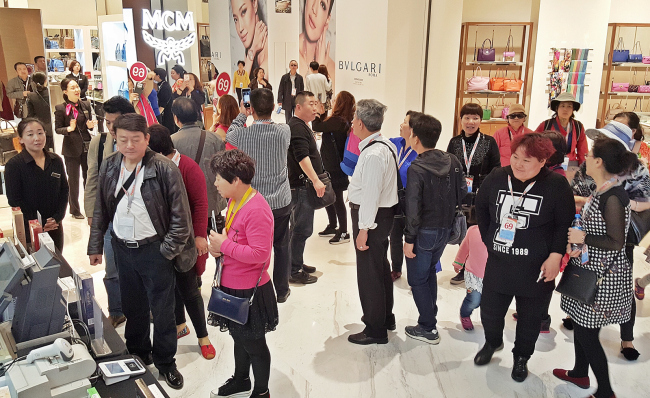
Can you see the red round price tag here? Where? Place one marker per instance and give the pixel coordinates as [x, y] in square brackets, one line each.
[138, 72]
[223, 84]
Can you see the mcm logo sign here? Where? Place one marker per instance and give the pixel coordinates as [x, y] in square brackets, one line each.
[169, 21]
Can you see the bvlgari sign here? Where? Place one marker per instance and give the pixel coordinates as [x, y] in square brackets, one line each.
[169, 21]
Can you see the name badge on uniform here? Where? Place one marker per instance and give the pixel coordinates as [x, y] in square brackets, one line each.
[241, 84]
[293, 92]
[470, 183]
[126, 227]
[508, 229]
[56, 175]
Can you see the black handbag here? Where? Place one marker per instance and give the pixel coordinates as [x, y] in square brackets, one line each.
[327, 199]
[458, 229]
[227, 305]
[639, 227]
[579, 283]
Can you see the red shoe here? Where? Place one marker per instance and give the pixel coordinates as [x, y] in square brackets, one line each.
[639, 291]
[563, 374]
[184, 332]
[466, 322]
[208, 351]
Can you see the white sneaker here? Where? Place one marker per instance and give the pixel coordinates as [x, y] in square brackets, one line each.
[340, 238]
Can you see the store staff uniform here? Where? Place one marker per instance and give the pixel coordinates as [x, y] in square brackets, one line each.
[151, 226]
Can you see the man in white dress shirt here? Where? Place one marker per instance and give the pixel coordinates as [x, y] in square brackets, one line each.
[373, 196]
[317, 83]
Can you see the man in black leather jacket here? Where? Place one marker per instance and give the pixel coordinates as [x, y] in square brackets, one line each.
[143, 194]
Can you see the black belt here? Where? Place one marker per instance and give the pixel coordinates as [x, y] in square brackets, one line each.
[354, 206]
[134, 244]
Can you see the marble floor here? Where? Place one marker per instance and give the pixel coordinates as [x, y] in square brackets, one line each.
[311, 356]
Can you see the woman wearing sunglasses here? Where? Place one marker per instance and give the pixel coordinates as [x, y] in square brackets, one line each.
[515, 128]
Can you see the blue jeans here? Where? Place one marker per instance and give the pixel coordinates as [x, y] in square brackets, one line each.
[301, 227]
[421, 273]
[471, 302]
[111, 279]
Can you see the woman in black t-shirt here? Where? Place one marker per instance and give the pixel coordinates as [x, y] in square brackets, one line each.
[540, 204]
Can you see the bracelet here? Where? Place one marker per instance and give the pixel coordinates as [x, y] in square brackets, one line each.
[461, 264]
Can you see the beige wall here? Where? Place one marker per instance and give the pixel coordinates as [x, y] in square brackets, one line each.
[497, 10]
[56, 13]
[22, 38]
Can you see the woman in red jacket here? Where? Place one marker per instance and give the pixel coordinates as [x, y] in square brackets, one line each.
[188, 294]
[564, 122]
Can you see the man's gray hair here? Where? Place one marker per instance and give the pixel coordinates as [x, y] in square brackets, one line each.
[371, 113]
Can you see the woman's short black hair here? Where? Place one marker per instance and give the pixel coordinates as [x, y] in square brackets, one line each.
[615, 156]
[26, 122]
[161, 73]
[233, 163]
[131, 122]
[241, 62]
[180, 70]
[633, 122]
[39, 78]
[471, 109]
[72, 65]
[65, 82]
[160, 139]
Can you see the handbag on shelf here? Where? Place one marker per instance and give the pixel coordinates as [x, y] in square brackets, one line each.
[478, 82]
[487, 113]
[633, 88]
[327, 199]
[620, 87]
[579, 283]
[123, 91]
[634, 56]
[118, 52]
[497, 108]
[8, 136]
[646, 59]
[509, 55]
[486, 54]
[94, 42]
[645, 88]
[123, 52]
[68, 42]
[205, 46]
[496, 83]
[513, 85]
[98, 63]
[614, 109]
[620, 53]
[226, 305]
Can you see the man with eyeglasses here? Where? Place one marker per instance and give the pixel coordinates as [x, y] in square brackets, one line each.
[290, 84]
[515, 128]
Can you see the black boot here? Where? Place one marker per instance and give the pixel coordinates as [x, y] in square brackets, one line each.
[484, 356]
[520, 369]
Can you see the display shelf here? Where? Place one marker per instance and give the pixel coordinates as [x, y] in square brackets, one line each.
[119, 64]
[625, 94]
[64, 50]
[472, 35]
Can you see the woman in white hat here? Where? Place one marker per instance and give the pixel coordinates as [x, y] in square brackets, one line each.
[564, 122]
[637, 187]
[515, 128]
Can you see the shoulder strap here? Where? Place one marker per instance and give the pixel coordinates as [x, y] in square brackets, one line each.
[100, 153]
[125, 187]
[399, 178]
[199, 151]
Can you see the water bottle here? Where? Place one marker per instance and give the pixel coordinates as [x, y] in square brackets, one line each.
[577, 224]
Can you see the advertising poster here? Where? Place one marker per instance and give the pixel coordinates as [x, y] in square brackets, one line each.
[249, 35]
[317, 39]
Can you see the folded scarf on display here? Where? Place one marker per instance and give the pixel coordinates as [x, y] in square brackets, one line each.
[580, 54]
[578, 66]
[576, 77]
[578, 91]
[566, 61]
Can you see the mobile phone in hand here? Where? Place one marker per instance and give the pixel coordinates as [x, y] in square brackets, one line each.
[246, 95]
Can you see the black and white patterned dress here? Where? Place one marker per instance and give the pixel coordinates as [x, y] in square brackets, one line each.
[614, 295]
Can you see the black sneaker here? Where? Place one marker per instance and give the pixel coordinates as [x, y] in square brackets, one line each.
[340, 238]
[302, 278]
[233, 388]
[459, 278]
[212, 319]
[327, 232]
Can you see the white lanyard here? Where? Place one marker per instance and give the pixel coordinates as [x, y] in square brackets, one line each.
[403, 159]
[468, 162]
[177, 158]
[521, 198]
[130, 196]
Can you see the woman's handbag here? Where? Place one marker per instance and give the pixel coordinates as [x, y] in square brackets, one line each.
[487, 113]
[327, 199]
[229, 306]
[496, 83]
[633, 88]
[123, 91]
[639, 227]
[497, 108]
[68, 42]
[620, 87]
[509, 55]
[205, 46]
[486, 54]
[350, 154]
[620, 53]
[458, 229]
[513, 85]
[579, 283]
[635, 57]
[646, 59]
[478, 82]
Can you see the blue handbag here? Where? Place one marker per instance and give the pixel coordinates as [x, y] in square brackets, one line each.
[638, 57]
[620, 53]
[229, 306]
[124, 52]
[123, 91]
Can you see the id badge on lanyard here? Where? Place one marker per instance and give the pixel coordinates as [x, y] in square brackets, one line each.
[468, 162]
[470, 182]
[126, 226]
[293, 92]
[508, 227]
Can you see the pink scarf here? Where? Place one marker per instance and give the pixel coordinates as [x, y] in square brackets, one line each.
[70, 107]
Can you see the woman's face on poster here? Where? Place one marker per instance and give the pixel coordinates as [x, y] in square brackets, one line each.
[317, 18]
[244, 14]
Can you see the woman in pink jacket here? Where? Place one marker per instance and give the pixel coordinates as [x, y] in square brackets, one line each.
[505, 135]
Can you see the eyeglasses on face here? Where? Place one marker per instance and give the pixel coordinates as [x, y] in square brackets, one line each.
[517, 116]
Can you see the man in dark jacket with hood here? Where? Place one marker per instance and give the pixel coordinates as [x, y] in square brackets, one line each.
[436, 187]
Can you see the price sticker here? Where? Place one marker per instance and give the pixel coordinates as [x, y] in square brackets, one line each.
[138, 72]
[223, 84]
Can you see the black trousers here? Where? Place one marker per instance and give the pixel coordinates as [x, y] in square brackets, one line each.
[188, 296]
[255, 353]
[239, 95]
[147, 283]
[337, 211]
[627, 328]
[281, 250]
[72, 165]
[288, 112]
[397, 244]
[589, 352]
[373, 274]
[530, 310]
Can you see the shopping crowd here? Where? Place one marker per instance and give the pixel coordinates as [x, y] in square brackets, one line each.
[162, 194]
